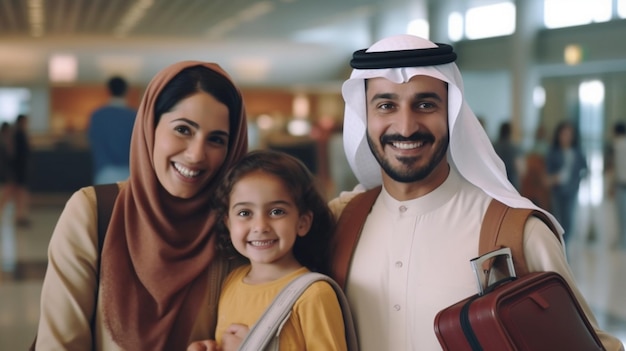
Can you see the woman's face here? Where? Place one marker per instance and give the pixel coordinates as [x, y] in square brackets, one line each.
[190, 144]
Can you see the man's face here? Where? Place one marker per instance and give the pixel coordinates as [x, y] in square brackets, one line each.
[407, 126]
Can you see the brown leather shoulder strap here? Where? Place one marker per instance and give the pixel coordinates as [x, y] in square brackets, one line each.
[503, 226]
[491, 226]
[105, 199]
[347, 232]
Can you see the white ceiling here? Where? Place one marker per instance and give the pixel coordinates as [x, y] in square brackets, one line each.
[283, 43]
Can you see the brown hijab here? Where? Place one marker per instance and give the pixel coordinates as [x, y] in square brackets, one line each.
[158, 247]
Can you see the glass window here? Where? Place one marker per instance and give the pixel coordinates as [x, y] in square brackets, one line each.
[567, 13]
[13, 101]
[455, 26]
[621, 8]
[591, 126]
[490, 21]
[419, 27]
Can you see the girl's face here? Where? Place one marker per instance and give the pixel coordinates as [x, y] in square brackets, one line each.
[264, 221]
[190, 144]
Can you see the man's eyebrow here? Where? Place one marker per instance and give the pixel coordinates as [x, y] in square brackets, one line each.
[384, 96]
[418, 96]
[428, 95]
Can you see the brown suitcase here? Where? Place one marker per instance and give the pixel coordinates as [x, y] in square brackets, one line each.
[532, 312]
[537, 312]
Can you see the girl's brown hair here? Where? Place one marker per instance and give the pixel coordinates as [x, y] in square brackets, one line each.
[310, 250]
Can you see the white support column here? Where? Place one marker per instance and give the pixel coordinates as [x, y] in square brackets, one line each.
[524, 78]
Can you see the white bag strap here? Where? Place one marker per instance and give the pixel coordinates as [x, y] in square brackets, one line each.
[267, 329]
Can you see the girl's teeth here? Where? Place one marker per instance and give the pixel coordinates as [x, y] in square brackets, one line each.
[261, 242]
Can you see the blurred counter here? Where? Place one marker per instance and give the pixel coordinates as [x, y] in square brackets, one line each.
[59, 170]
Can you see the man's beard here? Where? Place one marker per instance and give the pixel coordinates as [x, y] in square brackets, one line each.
[410, 174]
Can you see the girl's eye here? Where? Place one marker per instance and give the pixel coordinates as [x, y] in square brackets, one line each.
[277, 212]
[243, 213]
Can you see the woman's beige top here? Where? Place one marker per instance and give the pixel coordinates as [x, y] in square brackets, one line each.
[70, 285]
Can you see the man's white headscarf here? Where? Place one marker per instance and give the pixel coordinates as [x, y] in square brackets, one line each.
[470, 153]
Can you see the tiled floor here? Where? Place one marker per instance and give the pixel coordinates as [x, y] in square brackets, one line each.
[599, 268]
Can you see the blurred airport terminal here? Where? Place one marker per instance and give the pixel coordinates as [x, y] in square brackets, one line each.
[530, 63]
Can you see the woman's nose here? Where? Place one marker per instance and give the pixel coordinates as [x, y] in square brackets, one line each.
[195, 150]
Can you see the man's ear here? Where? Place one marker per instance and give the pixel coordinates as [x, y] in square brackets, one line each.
[304, 223]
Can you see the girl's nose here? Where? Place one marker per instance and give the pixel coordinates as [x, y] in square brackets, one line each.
[259, 225]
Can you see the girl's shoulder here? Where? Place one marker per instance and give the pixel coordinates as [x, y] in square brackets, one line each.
[238, 273]
[319, 292]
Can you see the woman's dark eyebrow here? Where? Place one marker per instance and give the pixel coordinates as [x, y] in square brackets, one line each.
[188, 121]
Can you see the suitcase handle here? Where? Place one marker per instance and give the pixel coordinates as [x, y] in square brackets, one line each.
[485, 268]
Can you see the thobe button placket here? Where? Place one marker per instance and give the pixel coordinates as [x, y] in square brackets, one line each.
[396, 307]
[402, 209]
[398, 264]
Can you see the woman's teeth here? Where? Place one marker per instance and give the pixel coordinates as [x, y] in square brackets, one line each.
[186, 172]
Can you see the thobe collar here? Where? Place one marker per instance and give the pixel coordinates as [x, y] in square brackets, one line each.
[427, 203]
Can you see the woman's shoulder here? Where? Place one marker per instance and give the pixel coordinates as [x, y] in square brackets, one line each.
[87, 193]
[81, 198]
[75, 230]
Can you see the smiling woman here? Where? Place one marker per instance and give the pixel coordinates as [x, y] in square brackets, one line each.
[190, 127]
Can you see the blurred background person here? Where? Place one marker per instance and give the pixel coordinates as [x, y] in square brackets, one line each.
[541, 144]
[618, 163]
[110, 128]
[6, 152]
[534, 181]
[15, 160]
[510, 154]
[566, 166]
[21, 161]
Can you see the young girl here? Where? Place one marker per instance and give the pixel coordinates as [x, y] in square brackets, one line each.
[275, 217]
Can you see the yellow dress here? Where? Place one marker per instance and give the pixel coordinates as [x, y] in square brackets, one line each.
[316, 321]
